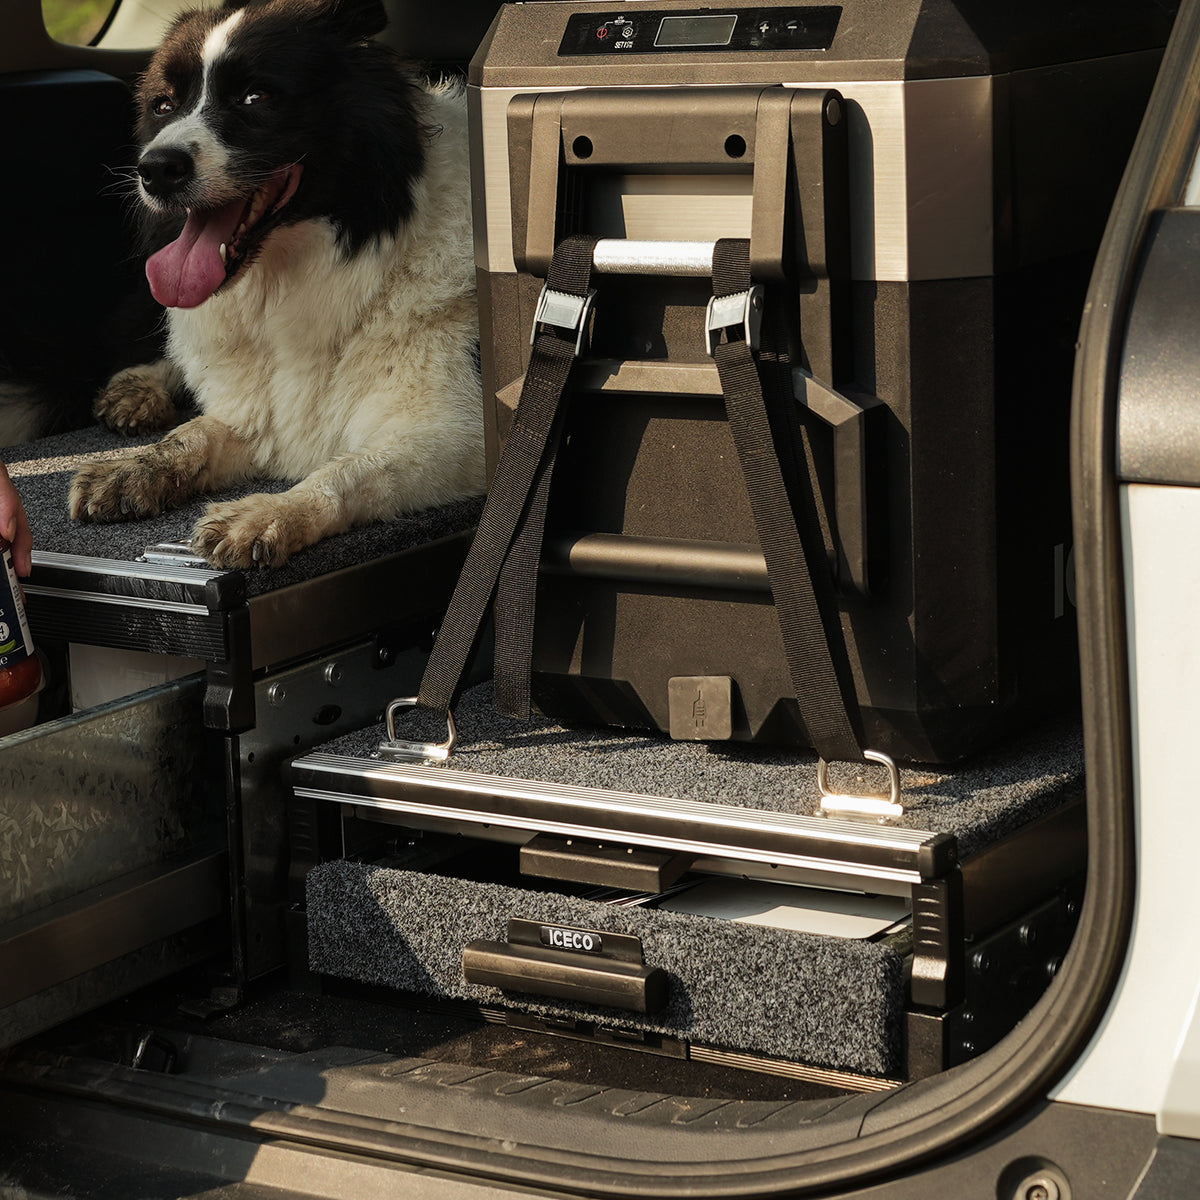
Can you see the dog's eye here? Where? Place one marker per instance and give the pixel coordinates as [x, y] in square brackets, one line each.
[162, 106]
[254, 96]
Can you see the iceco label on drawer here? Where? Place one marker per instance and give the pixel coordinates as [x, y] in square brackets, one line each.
[579, 941]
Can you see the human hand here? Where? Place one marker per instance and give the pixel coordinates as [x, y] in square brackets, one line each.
[14, 524]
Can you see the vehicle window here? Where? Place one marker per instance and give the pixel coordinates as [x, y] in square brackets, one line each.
[76, 22]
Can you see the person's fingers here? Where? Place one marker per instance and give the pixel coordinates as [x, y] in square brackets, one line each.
[22, 543]
[14, 524]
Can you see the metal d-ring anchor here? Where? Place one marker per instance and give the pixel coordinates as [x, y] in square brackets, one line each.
[852, 807]
[400, 748]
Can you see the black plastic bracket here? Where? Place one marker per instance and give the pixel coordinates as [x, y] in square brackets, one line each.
[937, 942]
[854, 425]
[576, 860]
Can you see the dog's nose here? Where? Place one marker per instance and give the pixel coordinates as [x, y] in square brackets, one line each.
[166, 170]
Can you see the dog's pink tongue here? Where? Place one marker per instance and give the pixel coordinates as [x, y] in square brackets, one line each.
[188, 271]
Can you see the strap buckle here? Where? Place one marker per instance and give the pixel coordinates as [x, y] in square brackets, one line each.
[742, 310]
[563, 311]
[400, 748]
[879, 809]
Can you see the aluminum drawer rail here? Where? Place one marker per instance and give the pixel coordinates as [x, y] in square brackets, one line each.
[491, 805]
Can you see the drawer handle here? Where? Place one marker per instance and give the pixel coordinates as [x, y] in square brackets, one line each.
[537, 971]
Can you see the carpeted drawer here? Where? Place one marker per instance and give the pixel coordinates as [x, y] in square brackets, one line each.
[823, 1001]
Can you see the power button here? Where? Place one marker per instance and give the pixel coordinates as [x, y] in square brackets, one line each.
[618, 33]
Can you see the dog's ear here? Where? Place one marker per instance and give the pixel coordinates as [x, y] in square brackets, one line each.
[360, 19]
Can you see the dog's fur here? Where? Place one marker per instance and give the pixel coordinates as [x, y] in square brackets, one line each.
[338, 347]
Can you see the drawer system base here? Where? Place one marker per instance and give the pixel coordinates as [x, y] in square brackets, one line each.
[456, 882]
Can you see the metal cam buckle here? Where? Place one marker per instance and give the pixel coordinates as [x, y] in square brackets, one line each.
[399, 748]
[564, 311]
[741, 309]
[863, 808]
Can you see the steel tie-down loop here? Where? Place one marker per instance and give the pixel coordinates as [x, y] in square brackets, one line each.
[856, 807]
[401, 748]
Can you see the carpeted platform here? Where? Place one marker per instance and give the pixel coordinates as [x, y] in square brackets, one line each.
[43, 471]
[979, 801]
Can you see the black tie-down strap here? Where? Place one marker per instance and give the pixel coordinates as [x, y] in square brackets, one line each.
[507, 544]
[506, 550]
[768, 434]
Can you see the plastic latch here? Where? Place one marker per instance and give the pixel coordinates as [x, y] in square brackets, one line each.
[881, 810]
[396, 747]
[741, 310]
[563, 310]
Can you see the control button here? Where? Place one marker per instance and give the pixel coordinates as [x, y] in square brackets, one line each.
[627, 31]
[602, 32]
[764, 27]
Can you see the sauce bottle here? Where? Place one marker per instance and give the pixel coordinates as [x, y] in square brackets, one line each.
[20, 667]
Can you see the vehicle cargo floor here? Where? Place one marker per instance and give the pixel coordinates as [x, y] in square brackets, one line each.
[274, 1022]
[374, 1087]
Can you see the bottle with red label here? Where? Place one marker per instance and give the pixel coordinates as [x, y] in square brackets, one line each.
[20, 667]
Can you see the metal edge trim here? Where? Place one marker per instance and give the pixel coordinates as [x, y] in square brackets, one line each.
[474, 782]
[76, 594]
[165, 573]
[788, 1070]
[826, 867]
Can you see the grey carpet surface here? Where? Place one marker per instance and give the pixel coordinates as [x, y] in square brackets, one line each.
[979, 801]
[407, 929]
[43, 471]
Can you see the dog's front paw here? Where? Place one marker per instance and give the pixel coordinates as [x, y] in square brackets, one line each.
[119, 490]
[135, 401]
[257, 531]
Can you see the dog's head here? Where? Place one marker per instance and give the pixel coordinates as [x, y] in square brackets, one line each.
[259, 115]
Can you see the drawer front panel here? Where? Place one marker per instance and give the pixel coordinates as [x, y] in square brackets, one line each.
[799, 997]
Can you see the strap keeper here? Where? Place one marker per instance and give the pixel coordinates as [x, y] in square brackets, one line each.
[563, 311]
[741, 310]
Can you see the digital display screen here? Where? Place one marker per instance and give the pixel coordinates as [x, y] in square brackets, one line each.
[696, 31]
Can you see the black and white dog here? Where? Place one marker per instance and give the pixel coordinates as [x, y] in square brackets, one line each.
[308, 203]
